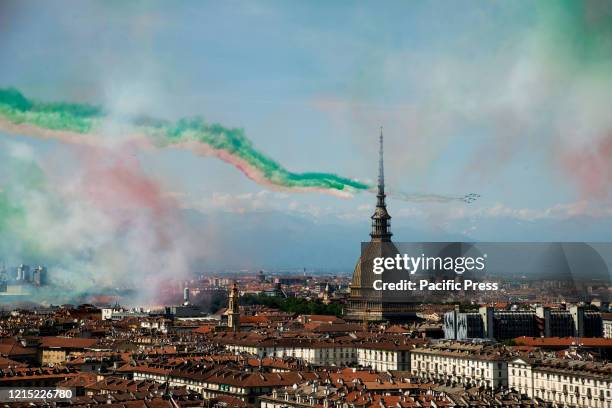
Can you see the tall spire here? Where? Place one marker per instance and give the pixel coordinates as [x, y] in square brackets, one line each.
[381, 167]
[381, 225]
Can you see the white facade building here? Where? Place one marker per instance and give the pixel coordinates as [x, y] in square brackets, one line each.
[381, 356]
[607, 327]
[384, 356]
[315, 353]
[120, 313]
[563, 382]
[467, 364]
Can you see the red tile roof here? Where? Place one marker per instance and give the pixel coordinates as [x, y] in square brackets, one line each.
[67, 342]
[254, 320]
[563, 341]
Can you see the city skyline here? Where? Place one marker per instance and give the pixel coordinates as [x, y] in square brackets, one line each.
[305, 204]
[496, 99]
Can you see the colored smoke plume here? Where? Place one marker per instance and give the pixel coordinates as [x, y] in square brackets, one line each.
[81, 124]
[99, 223]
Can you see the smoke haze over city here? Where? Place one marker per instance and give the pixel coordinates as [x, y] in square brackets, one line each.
[506, 100]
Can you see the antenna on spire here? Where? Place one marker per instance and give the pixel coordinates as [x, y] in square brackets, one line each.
[381, 169]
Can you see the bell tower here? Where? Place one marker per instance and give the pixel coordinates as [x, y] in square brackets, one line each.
[233, 309]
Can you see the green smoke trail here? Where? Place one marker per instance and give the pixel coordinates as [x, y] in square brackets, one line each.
[8, 212]
[84, 119]
[17, 176]
[578, 33]
[15, 234]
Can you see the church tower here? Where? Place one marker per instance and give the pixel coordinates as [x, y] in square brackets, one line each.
[381, 220]
[326, 298]
[233, 309]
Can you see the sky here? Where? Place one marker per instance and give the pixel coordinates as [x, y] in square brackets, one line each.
[509, 100]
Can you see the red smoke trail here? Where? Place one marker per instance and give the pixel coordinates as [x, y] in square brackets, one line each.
[591, 167]
[152, 237]
[114, 181]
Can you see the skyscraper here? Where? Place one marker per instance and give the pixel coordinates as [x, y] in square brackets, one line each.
[23, 273]
[39, 275]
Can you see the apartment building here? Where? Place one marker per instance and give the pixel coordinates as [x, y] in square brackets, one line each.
[54, 350]
[607, 325]
[563, 382]
[379, 354]
[384, 355]
[323, 352]
[508, 324]
[461, 363]
[214, 381]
